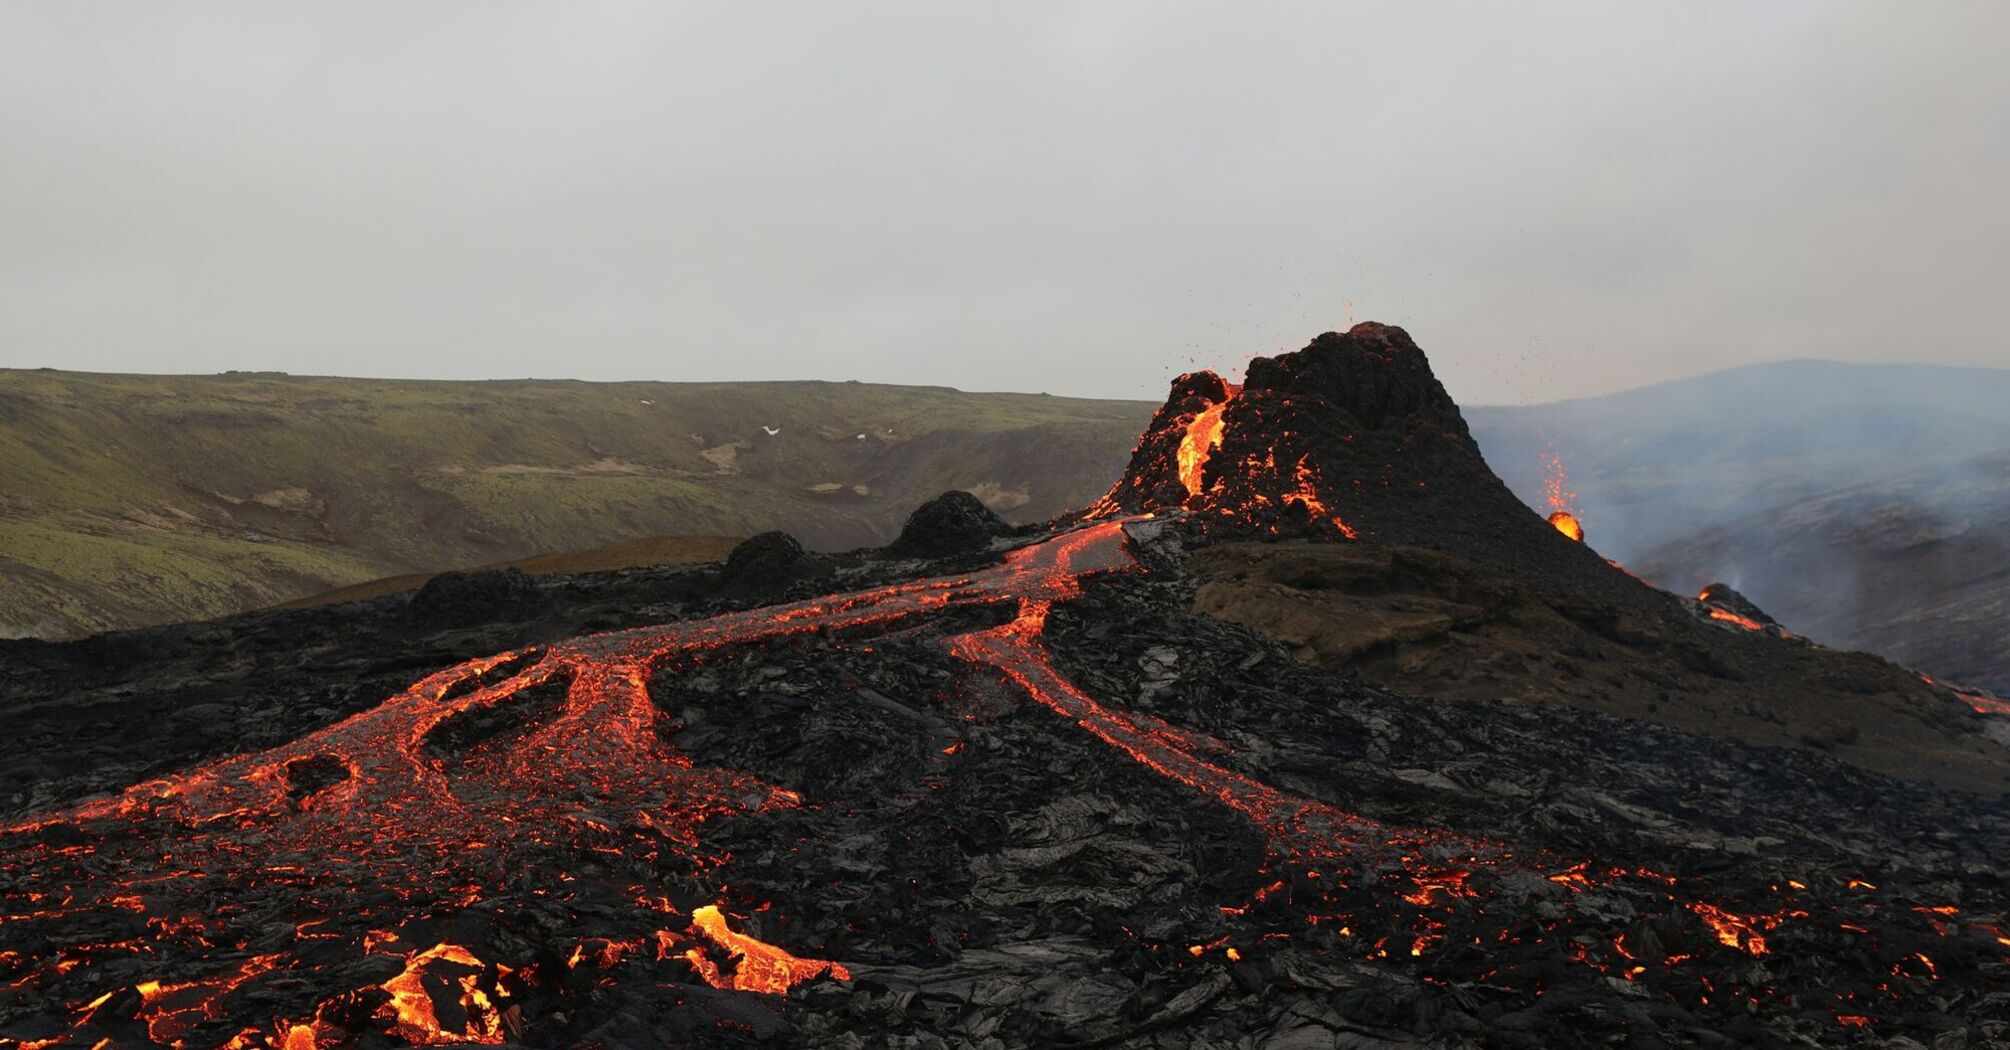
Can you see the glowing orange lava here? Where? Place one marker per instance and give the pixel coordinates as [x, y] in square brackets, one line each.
[1727, 616]
[1734, 931]
[413, 1011]
[1562, 501]
[758, 966]
[1203, 436]
[1307, 495]
[368, 825]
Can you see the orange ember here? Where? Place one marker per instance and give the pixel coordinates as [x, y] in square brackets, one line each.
[1203, 436]
[1567, 523]
[1556, 484]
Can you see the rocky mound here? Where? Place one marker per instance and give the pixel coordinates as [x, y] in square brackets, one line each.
[767, 562]
[955, 522]
[471, 597]
[1723, 598]
[1352, 437]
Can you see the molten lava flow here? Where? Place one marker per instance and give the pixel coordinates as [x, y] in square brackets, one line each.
[1735, 931]
[170, 1010]
[1727, 616]
[1567, 523]
[382, 821]
[1294, 824]
[1307, 495]
[1977, 702]
[1203, 436]
[758, 966]
[1984, 705]
[398, 827]
[456, 973]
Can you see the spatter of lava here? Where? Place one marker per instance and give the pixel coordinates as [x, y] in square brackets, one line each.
[1562, 501]
[381, 841]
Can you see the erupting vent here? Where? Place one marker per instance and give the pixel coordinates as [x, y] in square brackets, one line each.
[1352, 436]
[1202, 437]
[1562, 501]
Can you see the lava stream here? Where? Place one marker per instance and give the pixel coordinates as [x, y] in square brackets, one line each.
[426, 805]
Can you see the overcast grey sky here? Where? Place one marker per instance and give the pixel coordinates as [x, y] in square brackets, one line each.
[1082, 198]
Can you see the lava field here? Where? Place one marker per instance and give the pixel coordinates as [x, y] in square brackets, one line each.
[988, 788]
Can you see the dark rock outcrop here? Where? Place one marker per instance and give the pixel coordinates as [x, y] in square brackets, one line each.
[767, 561]
[473, 597]
[955, 522]
[1723, 596]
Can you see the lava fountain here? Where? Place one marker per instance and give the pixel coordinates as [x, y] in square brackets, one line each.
[1562, 501]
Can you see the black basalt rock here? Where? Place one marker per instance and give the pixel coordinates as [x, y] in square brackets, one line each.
[955, 522]
[766, 561]
[1724, 596]
[462, 598]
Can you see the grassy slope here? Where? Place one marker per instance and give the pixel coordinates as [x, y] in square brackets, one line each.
[627, 554]
[138, 499]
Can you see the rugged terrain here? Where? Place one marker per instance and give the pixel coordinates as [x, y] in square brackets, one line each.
[1663, 463]
[1916, 567]
[130, 500]
[997, 786]
[1863, 504]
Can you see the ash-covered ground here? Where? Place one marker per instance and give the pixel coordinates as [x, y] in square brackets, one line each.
[987, 788]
